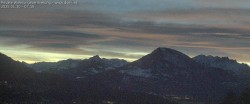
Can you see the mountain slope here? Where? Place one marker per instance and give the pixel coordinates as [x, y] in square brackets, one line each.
[21, 85]
[11, 69]
[163, 74]
[92, 66]
[60, 65]
[242, 71]
[79, 68]
[223, 63]
[164, 60]
[171, 74]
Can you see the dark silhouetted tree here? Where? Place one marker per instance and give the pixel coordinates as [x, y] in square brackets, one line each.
[245, 96]
[231, 98]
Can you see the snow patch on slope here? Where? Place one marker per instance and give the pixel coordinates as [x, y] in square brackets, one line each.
[138, 72]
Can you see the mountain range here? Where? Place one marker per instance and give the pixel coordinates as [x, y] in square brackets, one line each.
[165, 74]
[225, 63]
[172, 74]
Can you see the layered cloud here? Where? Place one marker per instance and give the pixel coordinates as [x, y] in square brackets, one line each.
[126, 29]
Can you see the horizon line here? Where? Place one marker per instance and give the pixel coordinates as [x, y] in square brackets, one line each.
[126, 59]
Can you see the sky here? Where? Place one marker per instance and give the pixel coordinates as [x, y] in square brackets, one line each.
[125, 29]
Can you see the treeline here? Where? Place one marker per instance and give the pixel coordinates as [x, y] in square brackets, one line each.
[234, 98]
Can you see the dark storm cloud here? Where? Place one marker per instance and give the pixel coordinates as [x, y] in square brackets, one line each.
[177, 29]
[60, 19]
[128, 42]
[41, 19]
[64, 41]
[47, 34]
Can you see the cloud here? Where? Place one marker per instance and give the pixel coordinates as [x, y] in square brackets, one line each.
[135, 5]
[62, 41]
[128, 28]
[223, 3]
[210, 17]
